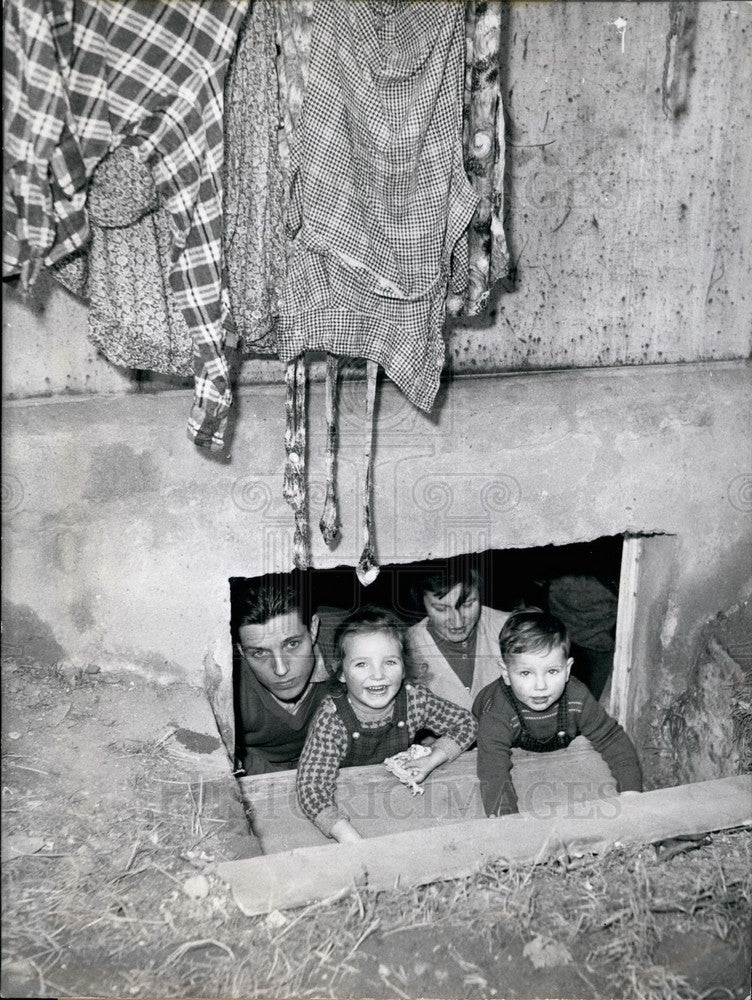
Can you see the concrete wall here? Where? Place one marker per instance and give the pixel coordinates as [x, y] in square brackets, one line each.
[119, 537]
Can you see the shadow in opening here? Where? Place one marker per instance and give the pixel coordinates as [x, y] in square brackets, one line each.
[579, 583]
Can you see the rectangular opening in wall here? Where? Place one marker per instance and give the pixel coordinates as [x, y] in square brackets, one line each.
[579, 583]
[615, 594]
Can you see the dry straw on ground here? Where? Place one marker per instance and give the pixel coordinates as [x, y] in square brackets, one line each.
[95, 899]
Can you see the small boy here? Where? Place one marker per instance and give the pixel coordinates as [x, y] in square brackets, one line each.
[372, 715]
[537, 706]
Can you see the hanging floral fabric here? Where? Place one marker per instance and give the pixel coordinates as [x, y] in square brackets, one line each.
[484, 135]
[294, 27]
[122, 272]
[83, 78]
[254, 236]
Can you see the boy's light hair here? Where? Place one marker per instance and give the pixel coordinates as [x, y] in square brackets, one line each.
[368, 619]
[532, 631]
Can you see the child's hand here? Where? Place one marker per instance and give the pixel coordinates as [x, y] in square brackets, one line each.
[412, 766]
[344, 832]
[420, 769]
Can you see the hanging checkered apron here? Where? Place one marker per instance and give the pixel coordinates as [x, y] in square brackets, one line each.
[379, 205]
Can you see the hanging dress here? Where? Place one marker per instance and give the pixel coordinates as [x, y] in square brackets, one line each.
[253, 237]
[379, 193]
[123, 272]
[378, 209]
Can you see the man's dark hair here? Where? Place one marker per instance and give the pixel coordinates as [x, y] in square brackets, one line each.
[367, 619]
[445, 576]
[255, 601]
[532, 631]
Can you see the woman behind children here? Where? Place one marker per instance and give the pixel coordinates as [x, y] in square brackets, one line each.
[372, 715]
[454, 650]
[536, 705]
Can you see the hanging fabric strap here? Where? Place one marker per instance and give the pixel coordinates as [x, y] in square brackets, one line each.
[329, 523]
[367, 569]
[294, 487]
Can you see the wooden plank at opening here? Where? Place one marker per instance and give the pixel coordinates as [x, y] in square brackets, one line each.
[296, 878]
[625, 625]
[547, 785]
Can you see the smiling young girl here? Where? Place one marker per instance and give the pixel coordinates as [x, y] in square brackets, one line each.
[371, 716]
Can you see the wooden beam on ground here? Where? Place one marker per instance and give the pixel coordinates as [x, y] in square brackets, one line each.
[298, 877]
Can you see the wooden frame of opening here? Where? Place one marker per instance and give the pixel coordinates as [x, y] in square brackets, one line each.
[625, 627]
[644, 594]
[302, 876]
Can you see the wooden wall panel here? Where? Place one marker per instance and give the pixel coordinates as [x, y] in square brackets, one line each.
[630, 227]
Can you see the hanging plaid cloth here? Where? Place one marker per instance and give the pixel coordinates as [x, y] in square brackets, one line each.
[379, 198]
[44, 188]
[483, 132]
[81, 80]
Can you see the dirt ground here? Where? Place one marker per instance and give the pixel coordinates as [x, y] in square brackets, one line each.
[110, 838]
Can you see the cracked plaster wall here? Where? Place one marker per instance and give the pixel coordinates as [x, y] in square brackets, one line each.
[120, 537]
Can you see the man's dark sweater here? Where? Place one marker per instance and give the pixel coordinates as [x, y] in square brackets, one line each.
[499, 730]
[272, 734]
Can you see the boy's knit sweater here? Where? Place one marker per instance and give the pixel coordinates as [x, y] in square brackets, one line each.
[499, 730]
[327, 745]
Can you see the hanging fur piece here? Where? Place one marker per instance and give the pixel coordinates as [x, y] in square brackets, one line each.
[679, 60]
[294, 487]
[329, 523]
[368, 569]
[483, 148]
